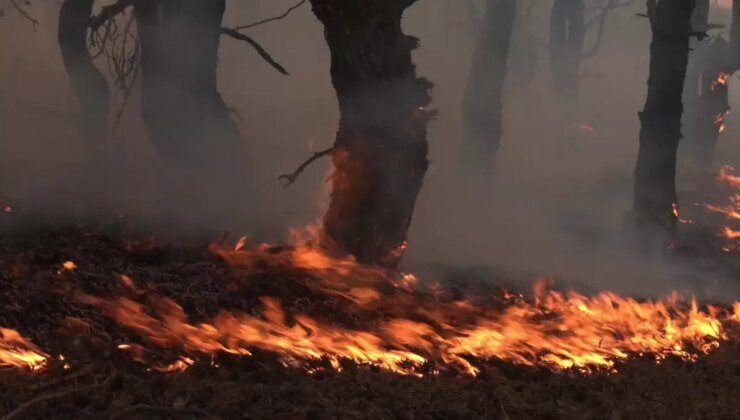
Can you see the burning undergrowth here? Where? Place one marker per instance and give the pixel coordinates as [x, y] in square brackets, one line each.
[95, 313]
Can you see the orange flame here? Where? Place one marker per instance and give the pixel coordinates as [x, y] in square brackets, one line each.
[727, 175]
[19, 352]
[721, 80]
[420, 329]
[719, 121]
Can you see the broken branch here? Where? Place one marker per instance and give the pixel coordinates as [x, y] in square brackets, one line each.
[261, 51]
[291, 178]
[272, 19]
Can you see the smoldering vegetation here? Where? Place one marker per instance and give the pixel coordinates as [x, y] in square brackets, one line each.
[554, 204]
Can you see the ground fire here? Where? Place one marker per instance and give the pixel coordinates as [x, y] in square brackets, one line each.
[477, 209]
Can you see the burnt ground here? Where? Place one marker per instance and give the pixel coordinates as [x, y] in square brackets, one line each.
[102, 382]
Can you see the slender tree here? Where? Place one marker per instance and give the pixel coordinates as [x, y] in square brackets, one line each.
[655, 174]
[88, 82]
[567, 34]
[380, 152]
[482, 103]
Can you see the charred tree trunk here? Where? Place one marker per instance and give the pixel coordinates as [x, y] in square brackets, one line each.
[380, 153]
[482, 103]
[184, 113]
[567, 33]
[709, 106]
[705, 94]
[660, 133]
[88, 82]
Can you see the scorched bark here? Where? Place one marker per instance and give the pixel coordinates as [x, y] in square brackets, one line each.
[380, 153]
[660, 133]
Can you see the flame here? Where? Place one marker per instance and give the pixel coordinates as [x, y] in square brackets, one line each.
[677, 215]
[721, 80]
[420, 331]
[19, 352]
[727, 175]
[731, 210]
[7, 209]
[69, 266]
[730, 233]
[719, 121]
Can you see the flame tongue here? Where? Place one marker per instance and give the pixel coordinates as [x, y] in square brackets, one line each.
[417, 330]
[17, 351]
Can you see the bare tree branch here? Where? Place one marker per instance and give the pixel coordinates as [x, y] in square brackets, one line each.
[272, 19]
[600, 19]
[261, 51]
[24, 13]
[109, 12]
[291, 178]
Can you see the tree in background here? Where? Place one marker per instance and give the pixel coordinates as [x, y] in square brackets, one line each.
[711, 66]
[88, 82]
[482, 104]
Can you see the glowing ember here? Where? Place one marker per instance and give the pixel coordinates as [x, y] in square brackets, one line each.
[584, 127]
[719, 121]
[721, 80]
[69, 266]
[7, 209]
[19, 352]
[421, 329]
[677, 215]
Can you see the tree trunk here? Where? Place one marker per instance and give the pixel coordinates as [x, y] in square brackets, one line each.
[380, 154]
[88, 82]
[660, 133]
[706, 95]
[482, 103]
[184, 113]
[567, 33]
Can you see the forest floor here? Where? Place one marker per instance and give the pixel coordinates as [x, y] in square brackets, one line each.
[96, 380]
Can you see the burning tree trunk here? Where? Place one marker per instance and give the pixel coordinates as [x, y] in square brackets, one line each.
[706, 94]
[660, 133]
[88, 82]
[184, 113]
[380, 152]
[482, 105]
[567, 33]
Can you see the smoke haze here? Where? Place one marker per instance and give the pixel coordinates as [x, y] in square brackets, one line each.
[555, 206]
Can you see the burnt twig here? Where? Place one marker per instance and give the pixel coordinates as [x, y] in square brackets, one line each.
[272, 19]
[291, 178]
[24, 13]
[261, 51]
[19, 412]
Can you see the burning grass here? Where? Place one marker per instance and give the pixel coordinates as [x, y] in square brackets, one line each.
[120, 329]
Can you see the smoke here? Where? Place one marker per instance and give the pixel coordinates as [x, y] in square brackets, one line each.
[556, 205]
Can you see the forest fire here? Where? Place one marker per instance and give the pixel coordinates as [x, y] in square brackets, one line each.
[18, 352]
[419, 331]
